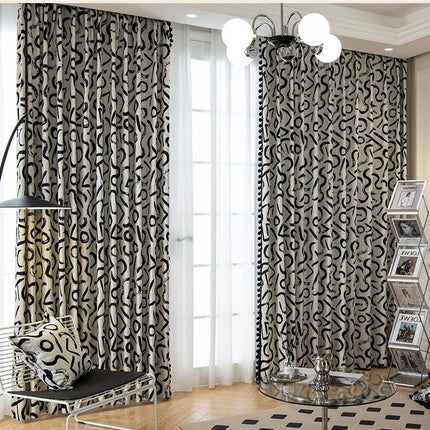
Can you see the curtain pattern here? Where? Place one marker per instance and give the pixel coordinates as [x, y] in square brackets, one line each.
[332, 145]
[95, 86]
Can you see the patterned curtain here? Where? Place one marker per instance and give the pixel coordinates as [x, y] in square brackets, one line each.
[96, 89]
[332, 145]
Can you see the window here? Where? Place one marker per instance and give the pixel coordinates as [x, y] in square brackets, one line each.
[213, 130]
[223, 167]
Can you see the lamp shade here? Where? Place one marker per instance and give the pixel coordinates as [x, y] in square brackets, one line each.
[237, 33]
[28, 202]
[332, 48]
[313, 29]
[237, 57]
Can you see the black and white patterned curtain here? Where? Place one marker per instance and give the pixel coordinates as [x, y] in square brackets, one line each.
[332, 145]
[96, 88]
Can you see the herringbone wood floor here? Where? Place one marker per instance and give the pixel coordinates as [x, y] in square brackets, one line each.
[201, 404]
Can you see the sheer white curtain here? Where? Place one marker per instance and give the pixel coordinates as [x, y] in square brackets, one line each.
[219, 327]
[8, 111]
[181, 214]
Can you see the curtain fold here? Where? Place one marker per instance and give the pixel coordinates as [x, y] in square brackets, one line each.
[332, 146]
[96, 88]
[181, 214]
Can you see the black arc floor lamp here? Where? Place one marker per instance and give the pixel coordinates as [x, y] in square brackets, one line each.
[24, 201]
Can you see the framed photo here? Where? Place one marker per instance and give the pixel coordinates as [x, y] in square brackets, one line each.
[407, 262]
[408, 327]
[406, 196]
[409, 360]
[408, 231]
[408, 294]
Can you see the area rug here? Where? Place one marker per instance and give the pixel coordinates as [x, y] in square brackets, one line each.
[395, 413]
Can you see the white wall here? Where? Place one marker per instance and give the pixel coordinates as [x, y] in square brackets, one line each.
[419, 118]
[419, 140]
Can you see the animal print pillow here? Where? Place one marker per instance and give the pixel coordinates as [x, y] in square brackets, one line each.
[53, 353]
[422, 396]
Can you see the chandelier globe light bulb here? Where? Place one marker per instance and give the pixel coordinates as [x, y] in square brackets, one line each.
[237, 33]
[237, 56]
[313, 29]
[332, 48]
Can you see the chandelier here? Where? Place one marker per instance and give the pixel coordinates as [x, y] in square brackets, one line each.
[312, 29]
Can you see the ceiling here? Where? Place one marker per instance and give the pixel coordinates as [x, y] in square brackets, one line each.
[397, 10]
[367, 27]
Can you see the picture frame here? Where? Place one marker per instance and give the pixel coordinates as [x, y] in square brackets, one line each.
[408, 231]
[408, 294]
[407, 262]
[409, 360]
[406, 197]
[408, 327]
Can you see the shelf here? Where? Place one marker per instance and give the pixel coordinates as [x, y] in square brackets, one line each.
[408, 213]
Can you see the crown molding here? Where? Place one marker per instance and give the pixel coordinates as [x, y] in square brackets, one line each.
[363, 30]
[358, 29]
[366, 26]
[414, 31]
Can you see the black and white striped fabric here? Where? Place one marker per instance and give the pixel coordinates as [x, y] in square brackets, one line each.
[95, 85]
[53, 353]
[332, 145]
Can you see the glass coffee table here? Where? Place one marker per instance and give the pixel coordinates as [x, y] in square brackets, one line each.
[343, 391]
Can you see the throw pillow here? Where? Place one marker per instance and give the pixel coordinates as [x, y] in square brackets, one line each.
[53, 353]
[422, 396]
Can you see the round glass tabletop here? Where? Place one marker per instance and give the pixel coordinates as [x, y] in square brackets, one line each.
[369, 388]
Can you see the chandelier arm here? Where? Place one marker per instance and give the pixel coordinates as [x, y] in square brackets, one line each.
[299, 15]
[270, 24]
[263, 24]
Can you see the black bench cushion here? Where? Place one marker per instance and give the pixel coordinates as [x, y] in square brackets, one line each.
[94, 382]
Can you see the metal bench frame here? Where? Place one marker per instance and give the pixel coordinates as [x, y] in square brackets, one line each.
[16, 376]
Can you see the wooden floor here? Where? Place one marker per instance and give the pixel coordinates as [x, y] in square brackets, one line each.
[200, 404]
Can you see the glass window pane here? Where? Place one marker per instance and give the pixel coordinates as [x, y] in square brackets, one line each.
[201, 136]
[202, 237]
[201, 342]
[202, 188]
[239, 102]
[241, 189]
[242, 288]
[243, 351]
[253, 188]
[240, 146]
[202, 291]
[241, 239]
[200, 84]
[200, 50]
